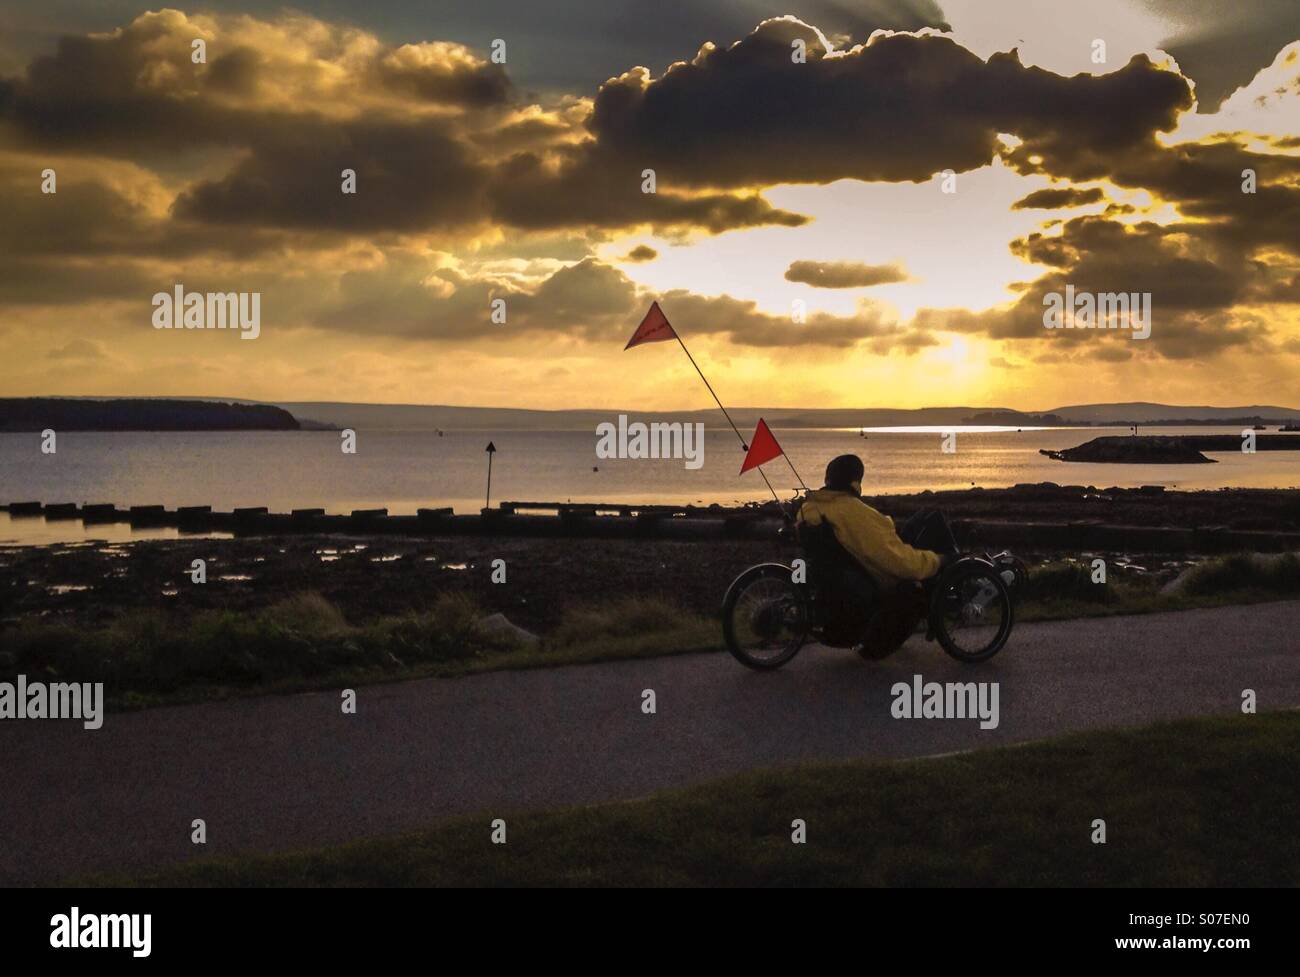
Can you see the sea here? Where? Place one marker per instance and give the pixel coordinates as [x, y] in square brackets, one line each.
[407, 470]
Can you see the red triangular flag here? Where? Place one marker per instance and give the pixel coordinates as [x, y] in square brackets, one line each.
[762, 448]
[654, 328]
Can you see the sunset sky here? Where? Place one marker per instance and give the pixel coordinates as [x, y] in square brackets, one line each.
[777, 182]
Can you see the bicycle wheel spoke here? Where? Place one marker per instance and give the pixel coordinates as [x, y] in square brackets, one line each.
[768, 619]
[974, 614]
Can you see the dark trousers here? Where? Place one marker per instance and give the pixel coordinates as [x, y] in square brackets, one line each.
[897, 616]
[928, 530]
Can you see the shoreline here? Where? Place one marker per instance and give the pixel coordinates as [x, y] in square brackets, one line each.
[376, 566]
[1046, 515]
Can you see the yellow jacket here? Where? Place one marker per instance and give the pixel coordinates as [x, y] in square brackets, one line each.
[868, 536]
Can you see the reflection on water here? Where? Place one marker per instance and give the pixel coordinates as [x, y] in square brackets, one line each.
[26, 530]
[406, 470]
[67, 588]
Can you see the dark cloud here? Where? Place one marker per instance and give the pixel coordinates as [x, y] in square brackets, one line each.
[642, 252]
[843, 274]
[1099, 255]
[1204, 180]
[530, 192]
[425, 126]
[412, 121]
[561, 45]
[1229, 43]
[900, 108]
[88, 216]
[589, 300]
[1277, 286]
[238, 72]
[744, 324]
[38, 281]
[419, 72]
[526, 135]
[137, 87]
[407, 178]
[1054, 198]
[1194, 284]
[581, 51]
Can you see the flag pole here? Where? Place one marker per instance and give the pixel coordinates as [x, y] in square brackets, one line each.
[769, 486]
[795, 470]
[744, 446]
[710, 386]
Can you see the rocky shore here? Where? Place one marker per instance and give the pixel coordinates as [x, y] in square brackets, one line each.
[1133, 451]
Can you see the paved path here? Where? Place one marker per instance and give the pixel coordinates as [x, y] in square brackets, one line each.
[281, 772]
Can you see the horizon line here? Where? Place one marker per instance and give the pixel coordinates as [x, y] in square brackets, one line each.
[668, 410]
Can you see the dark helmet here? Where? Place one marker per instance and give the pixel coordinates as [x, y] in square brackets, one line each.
[843, 471]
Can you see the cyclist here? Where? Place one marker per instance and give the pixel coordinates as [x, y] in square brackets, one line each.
[917, 550]
[893, 559]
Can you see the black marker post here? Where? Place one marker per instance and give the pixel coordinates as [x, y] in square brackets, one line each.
[491, 449]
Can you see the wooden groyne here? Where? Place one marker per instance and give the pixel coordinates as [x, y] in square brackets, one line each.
[625, 521]
[510, 519]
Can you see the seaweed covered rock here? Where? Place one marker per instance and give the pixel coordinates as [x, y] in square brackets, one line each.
[1134, 451]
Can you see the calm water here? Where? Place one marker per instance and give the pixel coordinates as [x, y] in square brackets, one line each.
[405, 470]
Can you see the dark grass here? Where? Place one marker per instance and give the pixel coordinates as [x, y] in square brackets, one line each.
[149, 658]
[1274, 575]
[1065, 589]
[1206, 802]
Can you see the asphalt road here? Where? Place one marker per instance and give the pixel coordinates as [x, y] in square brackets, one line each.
[284, 772]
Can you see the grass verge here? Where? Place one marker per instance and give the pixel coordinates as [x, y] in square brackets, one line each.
[1205, 802]
[1065, 589]
[304, 642]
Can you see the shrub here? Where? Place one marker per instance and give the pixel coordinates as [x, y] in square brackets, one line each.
[1067, 581]
[1277, 575]
[306, 613]
[622, 617]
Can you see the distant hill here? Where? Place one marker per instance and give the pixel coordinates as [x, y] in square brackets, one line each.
[1146, 413]
[144, 414]
[428, 417]
[313, 415]
[422, 417]
[1013, 417]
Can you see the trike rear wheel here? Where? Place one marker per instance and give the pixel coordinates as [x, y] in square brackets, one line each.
[765, 617]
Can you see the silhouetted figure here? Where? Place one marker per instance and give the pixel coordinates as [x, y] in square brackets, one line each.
[885, 565]
[889, 555]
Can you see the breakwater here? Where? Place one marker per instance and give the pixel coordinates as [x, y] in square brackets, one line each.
[686, 523]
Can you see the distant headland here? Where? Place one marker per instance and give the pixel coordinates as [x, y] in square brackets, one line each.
[336, 415]
[60, 414]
